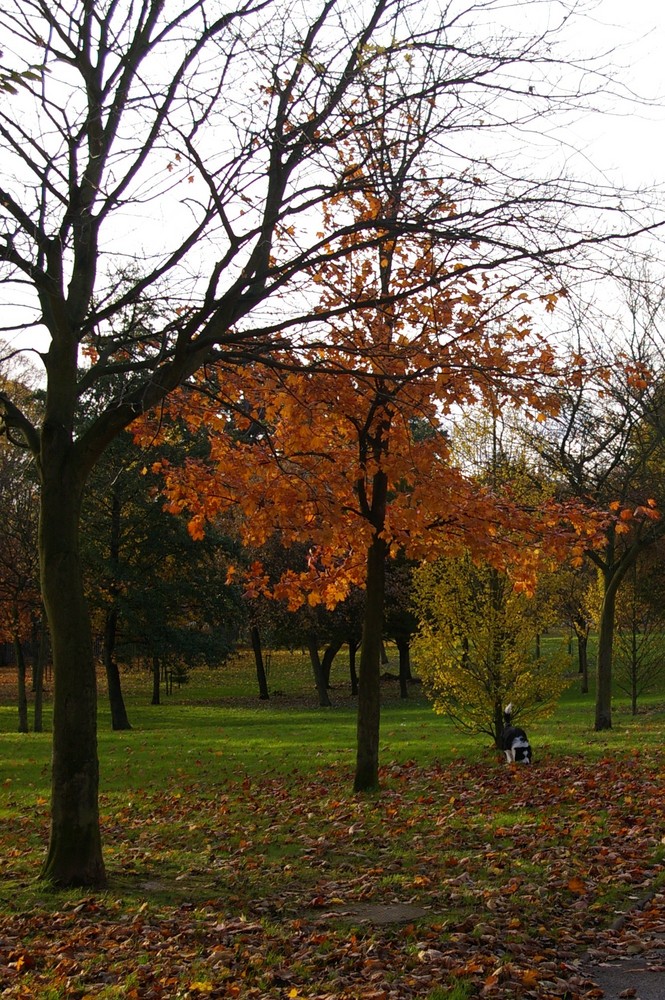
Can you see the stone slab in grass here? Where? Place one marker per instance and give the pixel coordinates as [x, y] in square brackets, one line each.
[373, 913]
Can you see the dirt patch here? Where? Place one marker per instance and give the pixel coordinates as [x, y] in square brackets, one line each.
[372, 913]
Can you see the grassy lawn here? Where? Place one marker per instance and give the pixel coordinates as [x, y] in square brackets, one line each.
[242, 865]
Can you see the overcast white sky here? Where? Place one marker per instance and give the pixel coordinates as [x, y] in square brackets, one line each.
[629, 145]
[633, 144]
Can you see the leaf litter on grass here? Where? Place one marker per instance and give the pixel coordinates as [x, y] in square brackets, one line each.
[496, 878]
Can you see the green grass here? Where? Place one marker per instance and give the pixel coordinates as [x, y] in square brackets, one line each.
[218, 808]
[216, 724]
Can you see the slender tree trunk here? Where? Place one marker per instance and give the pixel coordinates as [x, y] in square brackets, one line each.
[156, 681]
[319, 679]
[369, 685]
[40, 664]
[583, 657]
[119, 717]
[605, 651]
[498, 724]
[613, 573]
[634, 666]
[404, 666]
[255, 637]
[22, 690]
[75, 853]
[353, 649]
[328, 657]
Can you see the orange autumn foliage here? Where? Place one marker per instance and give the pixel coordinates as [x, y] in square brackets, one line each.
[303, 457]
[340, 441]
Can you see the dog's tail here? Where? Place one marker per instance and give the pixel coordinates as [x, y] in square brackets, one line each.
[508, 713]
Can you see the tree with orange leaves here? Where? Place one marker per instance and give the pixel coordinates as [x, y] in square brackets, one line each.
[333, 450]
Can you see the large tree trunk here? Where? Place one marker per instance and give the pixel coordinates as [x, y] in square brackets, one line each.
[74, 853]
[261, 677]
[369, 684]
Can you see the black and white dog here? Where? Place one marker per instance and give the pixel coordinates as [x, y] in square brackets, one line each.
[514, 740]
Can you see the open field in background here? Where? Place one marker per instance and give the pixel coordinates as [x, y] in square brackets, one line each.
[242, 865]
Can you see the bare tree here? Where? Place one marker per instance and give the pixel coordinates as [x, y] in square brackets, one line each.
[167, 196]
[640, 663]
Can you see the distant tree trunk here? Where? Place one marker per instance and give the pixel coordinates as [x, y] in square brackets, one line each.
[261, 677]
[353, 649]
[583, 657]
[537, 645]
[613, 573]
[156, 679]
[319, 678]
[498, 725]
[119, 717]
[369, 686]
[22, 691]
[328, 657]
[634, 666]
[404, 666]
[604, 665]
